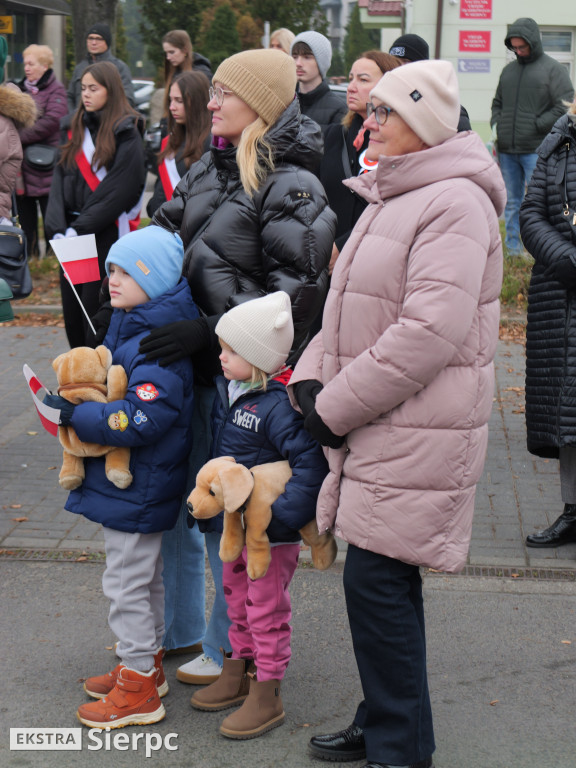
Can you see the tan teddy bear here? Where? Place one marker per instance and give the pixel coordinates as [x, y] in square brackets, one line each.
[84, 375]
[246, 496]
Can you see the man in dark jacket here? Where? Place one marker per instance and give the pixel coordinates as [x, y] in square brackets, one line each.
[529, 99]
[312, 53]
[98, 40]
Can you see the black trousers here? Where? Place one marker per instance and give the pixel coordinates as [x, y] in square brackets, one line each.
[386, 615]
[28, 213]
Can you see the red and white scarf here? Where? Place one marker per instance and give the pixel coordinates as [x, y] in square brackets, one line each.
[126, 222]
[168, 172]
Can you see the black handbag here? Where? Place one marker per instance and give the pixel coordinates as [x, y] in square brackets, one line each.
[41, 157]
[14, 256]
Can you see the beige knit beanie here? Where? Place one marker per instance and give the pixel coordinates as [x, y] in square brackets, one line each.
[265, 79]
[425, 95]
[261, 331]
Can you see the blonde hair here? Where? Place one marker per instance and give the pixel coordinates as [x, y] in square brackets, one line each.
[42, 53]
[254, 156]
[284, 37]
[259, 379]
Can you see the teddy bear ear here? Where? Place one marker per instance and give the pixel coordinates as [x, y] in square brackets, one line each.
[57, 362]
[237, 483]
[104, 355]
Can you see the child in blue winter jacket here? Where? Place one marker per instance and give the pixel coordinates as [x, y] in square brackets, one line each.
[254, 422]
[153, 420]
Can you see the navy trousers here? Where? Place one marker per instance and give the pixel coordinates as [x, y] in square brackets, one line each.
[386, 615]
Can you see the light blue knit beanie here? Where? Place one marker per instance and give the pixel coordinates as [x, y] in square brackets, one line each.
[152, 256]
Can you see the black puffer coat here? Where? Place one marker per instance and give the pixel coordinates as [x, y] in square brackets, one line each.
[239, 247]
[550, 237]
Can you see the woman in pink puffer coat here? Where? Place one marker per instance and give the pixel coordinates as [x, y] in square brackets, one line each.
[398, 385]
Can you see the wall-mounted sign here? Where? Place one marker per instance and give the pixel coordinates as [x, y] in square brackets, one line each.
[474, 66]
[474, 42]
[475, 9]
[6, 25]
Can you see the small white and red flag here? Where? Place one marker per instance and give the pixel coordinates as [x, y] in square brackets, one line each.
[78, 258]
[50, 417]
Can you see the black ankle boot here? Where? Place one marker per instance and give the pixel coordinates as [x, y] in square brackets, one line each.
[340, 746]
[562, 531]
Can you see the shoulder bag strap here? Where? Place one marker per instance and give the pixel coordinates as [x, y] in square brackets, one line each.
[345, 157]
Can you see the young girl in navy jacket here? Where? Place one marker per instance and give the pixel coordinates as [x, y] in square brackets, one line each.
[256, 337]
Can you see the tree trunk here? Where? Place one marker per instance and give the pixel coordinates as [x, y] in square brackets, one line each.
[88, 12]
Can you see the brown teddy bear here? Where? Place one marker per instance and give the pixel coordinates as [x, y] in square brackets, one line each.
[86, 374]
[246, 496]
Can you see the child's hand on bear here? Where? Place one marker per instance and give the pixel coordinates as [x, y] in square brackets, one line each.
[65, 407]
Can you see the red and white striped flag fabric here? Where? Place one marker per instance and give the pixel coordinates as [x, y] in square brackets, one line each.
[78, 257]
[48, 416]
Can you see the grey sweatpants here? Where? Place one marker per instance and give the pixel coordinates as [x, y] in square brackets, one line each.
[133, 584]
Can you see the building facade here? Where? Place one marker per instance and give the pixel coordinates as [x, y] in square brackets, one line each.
[39, 21]
[469, 33]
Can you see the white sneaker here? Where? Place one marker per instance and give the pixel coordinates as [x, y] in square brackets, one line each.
[200, 671]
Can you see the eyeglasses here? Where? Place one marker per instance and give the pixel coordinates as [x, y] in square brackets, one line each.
[218, 94]
[520, 48]
[95, 39]
[380, 112]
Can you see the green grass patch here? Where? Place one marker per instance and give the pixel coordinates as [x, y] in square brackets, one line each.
[516, 277]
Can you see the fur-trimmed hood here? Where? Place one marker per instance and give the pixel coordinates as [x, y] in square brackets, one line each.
[17, 106]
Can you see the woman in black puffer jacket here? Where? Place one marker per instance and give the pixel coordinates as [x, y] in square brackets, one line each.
[254, 220]
[548, 229]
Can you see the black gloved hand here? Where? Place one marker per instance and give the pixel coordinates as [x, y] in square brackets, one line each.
[564, 270]
[65, 407]
[176, 340]
[306, 393]
[320, 432]
[101, 321]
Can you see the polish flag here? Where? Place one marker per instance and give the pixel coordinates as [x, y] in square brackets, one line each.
[78, 257]
[48, 416]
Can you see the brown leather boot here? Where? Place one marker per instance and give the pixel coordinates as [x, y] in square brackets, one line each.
[261, 712]
[230, 689]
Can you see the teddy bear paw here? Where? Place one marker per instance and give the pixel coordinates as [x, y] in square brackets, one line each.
[121, 478]
[70, 482]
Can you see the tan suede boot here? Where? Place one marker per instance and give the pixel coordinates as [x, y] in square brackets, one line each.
[261, 712]
[230, 689]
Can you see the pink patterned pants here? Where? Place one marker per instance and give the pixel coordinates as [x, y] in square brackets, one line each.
[260, 611]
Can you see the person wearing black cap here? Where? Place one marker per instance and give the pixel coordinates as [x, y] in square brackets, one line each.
[411, 47]
[98, 41]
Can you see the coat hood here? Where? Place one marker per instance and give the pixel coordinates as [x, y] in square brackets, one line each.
[528, 30]
[17, 106]
[462, 156]
[563, 129]
[294, 138]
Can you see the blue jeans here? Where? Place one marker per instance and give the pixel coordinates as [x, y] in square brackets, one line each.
[517, 171]
[184, 557]
[217, 633]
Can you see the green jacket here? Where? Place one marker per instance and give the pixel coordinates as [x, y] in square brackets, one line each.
[530, 94]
